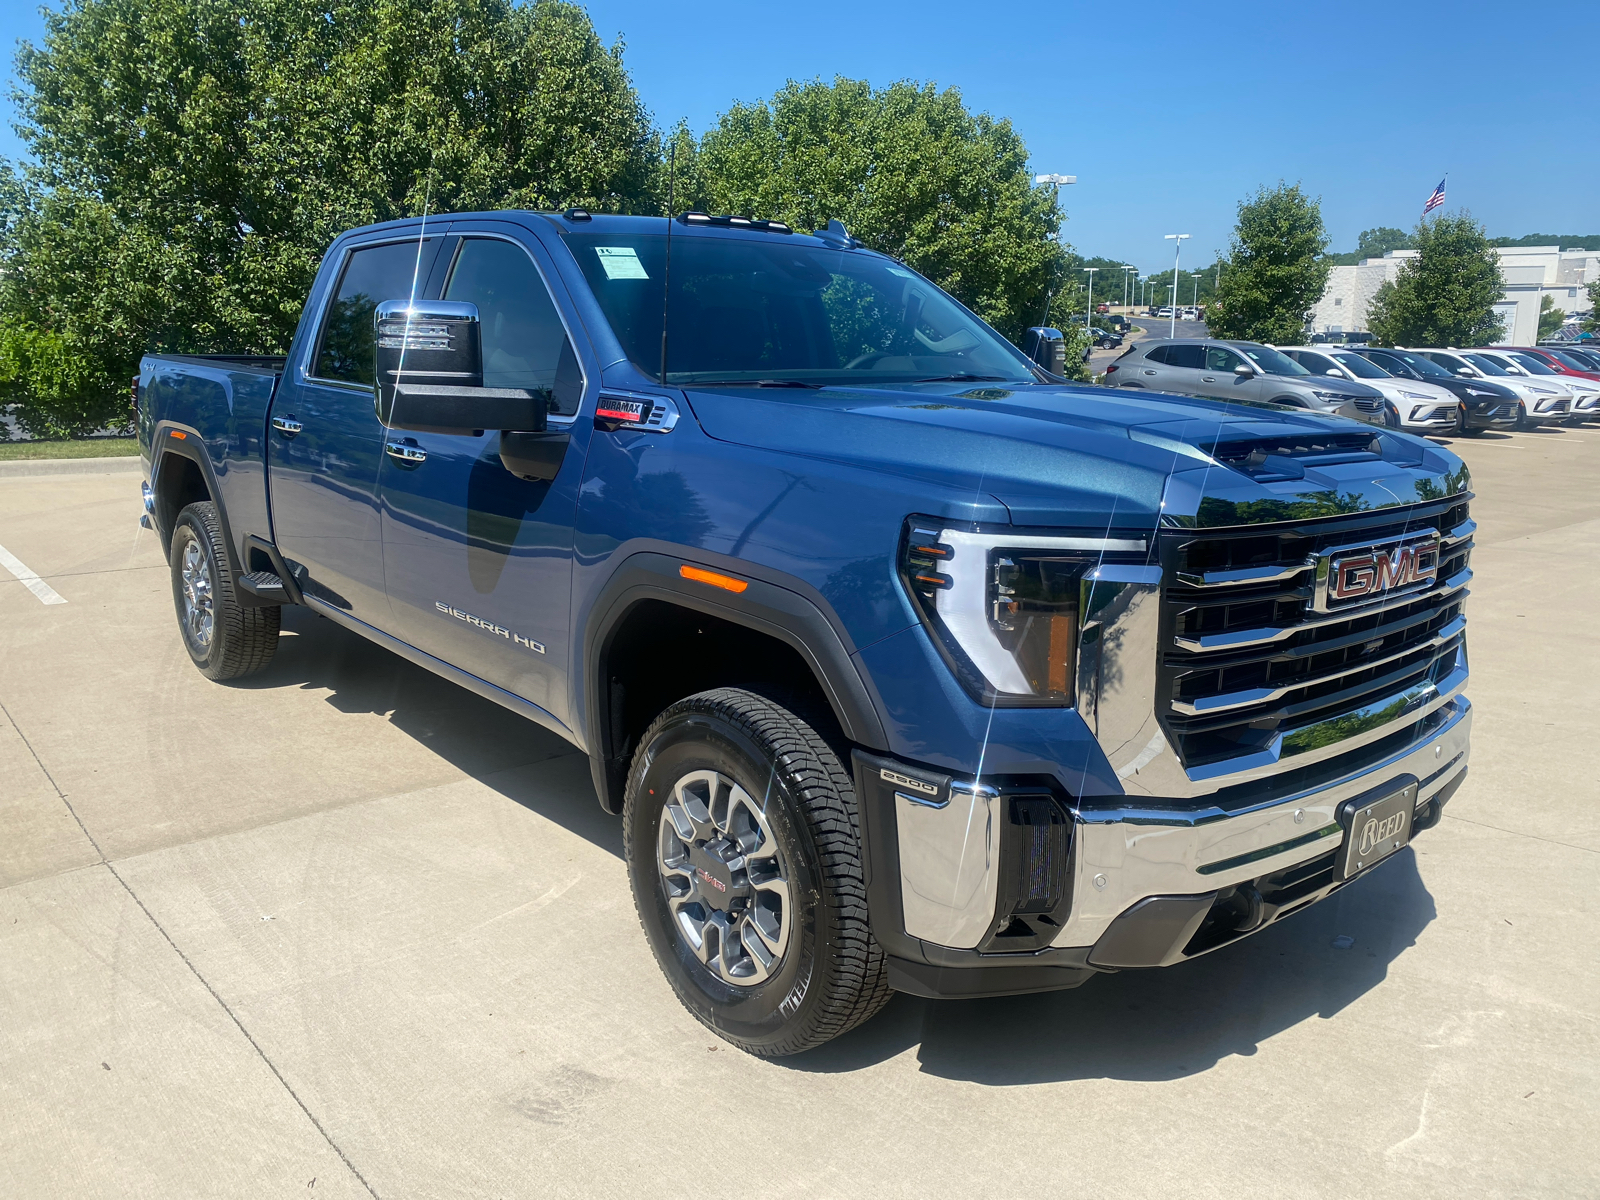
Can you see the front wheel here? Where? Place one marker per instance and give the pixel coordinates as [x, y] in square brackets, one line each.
[740, 832]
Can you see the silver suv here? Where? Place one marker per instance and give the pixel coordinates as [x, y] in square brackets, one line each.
[1243, 371]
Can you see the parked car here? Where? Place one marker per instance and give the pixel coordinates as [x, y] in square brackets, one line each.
[1105, 339]
[1166, 311]
[1340, 338]
[1119, 323]
[1412, 405]
[1242, 371]
[1575, 371]
[1543, 402]
[868, 726]
[1102, 308]
[1481, 404]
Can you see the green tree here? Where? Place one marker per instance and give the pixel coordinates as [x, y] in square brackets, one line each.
[1445, 296]
[193, 158]
[1592, 325]
[1275, 271]
[910, 172]
[1551, 318]
[1373, 243]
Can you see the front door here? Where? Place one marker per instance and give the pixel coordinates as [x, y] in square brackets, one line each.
[326, 442]
[1218, 377]
[479, 561]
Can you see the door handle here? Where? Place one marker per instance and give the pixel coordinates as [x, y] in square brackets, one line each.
[1149, 372]
[1208, 379]
[401, 452]
[287, 426]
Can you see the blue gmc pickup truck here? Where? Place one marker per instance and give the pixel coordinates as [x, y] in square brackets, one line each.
[906, 664]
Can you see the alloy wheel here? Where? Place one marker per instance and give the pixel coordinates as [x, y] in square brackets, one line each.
[199, 611]
[724, 879]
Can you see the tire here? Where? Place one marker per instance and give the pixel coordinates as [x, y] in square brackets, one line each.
[225, 639]
[1522, 417]
[801, 966]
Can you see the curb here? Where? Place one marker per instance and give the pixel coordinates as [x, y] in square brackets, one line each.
[120, 465]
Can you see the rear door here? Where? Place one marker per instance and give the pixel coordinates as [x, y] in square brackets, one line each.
[325, 442]
[478, 560]
[1184, 366]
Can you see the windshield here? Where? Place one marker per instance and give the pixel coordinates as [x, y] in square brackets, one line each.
[1532, 364]
[1360, 367]
[1487, 364]
[1425, 367]
[773, 309]
[1572, 359]
[1273, 363]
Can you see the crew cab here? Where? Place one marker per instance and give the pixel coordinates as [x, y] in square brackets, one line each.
[905, 664]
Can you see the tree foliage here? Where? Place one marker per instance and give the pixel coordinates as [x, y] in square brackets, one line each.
[193, 158]
[1445, 296]
[909, 171]
[1551, 318]
[1275, 271]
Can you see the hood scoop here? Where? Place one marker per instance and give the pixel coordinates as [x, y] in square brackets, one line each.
[1268, 459]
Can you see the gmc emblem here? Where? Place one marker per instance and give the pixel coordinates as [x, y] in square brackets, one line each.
[1350, 575]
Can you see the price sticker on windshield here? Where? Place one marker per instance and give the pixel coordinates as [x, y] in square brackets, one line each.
[621, 262]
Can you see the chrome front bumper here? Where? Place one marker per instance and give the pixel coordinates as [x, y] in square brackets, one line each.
[1123, 856]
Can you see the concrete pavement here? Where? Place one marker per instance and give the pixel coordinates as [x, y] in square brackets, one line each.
[349, 924]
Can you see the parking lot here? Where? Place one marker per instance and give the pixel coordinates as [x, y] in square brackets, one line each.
[345, 929]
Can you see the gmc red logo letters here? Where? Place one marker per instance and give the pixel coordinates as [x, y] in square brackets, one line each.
[1372, 572]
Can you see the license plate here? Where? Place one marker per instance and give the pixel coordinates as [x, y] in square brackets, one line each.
[1375, 829]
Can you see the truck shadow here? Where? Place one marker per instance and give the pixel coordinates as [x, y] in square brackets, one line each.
[495, 746]
[1136, 1025]
[1164, 1024]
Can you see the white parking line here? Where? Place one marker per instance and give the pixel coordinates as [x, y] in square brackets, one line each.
[29, 580]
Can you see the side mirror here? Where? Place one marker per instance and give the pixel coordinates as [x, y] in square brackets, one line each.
[1467, 371]
[1339, 371]
[1047, 347]
[429, 367]
[1243, 372]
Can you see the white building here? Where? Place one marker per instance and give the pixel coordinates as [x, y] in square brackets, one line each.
[1531, 273]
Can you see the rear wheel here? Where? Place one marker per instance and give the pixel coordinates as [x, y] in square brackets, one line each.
[740, 831]
[225, 639]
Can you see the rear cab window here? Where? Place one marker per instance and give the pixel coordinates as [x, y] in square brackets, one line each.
[371, 275]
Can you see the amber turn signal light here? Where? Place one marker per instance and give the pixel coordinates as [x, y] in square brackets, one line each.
[715, 579]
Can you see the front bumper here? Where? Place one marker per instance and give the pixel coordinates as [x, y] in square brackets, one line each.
[1141, 885]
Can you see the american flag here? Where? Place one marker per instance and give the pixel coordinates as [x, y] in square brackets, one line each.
[1435, 200]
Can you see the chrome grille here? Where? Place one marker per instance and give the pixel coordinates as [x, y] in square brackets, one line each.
[1369, 404]
[1246, 660]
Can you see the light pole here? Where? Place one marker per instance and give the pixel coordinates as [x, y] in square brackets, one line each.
[1125, 270]
[1179, 238]
[1088, 308]
[1195, 301]
[1058, 182]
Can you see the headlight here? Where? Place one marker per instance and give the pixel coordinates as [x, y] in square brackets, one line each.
[1332, 397]
[1415, 396]
[1472, 391]
[1003, 606]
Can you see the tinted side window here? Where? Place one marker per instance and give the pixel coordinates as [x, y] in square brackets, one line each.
[370, 277]
[1391, 364]
[1186, 356]
[1158, 354]
[524, 343]
[1218, 359]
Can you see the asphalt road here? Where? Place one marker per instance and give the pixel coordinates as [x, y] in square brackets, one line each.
[347, 930]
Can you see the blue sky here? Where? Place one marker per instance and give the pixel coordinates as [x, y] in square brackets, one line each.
[1365, 104]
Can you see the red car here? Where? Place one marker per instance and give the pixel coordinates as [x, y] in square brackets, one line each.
[1554, 358]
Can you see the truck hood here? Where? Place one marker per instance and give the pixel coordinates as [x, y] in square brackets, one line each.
[1060, 455]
